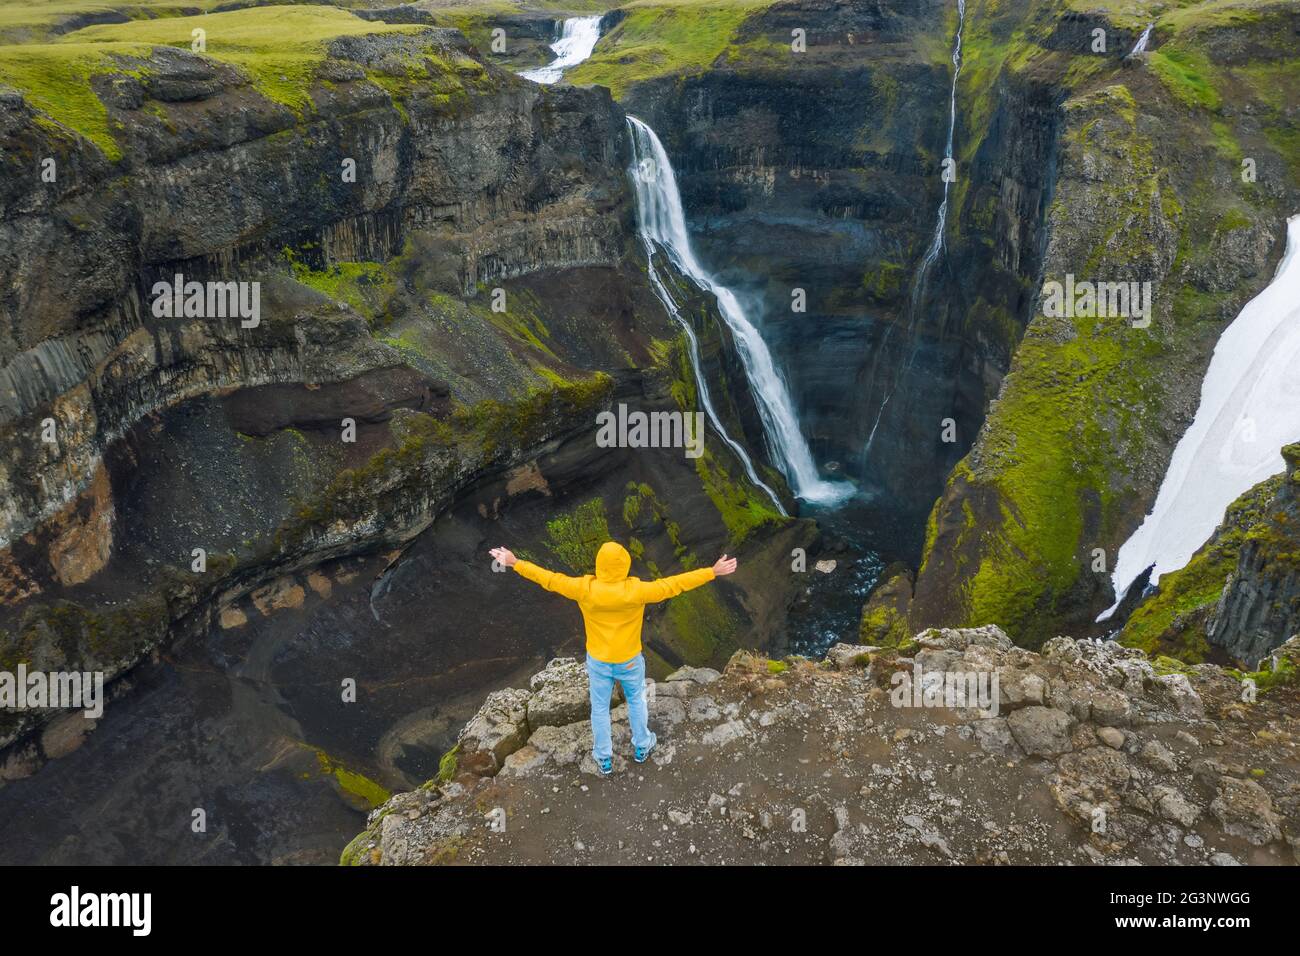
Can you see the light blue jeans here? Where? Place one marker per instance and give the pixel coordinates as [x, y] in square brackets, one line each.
[601, 677]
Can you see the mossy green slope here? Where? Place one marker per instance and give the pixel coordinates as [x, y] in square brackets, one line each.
[664, 37]
[1172, 620]
[280, 48]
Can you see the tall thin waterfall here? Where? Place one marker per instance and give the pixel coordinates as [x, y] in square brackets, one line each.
[1141, 45]
[662, 222]
[940, 228]
[1250, 408]
[577, 39]
[936, 243]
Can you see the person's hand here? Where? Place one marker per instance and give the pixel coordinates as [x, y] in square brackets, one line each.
[507, 557]
[724, 565]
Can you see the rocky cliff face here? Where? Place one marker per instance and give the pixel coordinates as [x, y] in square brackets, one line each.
[1095, 754]
[1261, 600]
[809, 171]
[1237, 595]
[819, 170]
[481, 164]
[1149, 186]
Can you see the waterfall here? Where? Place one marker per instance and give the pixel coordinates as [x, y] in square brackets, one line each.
[936, 243]
[940, 227]
[1141, 45]
[661, 222]
[1250, 408]
[577, 39]
[701, 385]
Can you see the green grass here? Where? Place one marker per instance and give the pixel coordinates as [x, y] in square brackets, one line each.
[358, 785]
[33, 21]
[742, 507]
[279, 47]
[1192, 14]
[365, 286]
[1175, 14]
[663, 37]
[1062, 421]
[1187, 75]
[705, 628]
[56, 79]
[576, 537]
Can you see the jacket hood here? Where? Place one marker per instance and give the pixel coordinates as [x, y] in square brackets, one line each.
[612, 562]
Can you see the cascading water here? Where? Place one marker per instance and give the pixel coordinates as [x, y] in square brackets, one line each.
[661, 222]
[1141, 45]
[577, 39]
[701, 384]
[1250, 408]
[936, 243]
[940, 226]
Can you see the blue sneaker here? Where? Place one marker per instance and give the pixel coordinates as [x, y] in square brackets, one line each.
[605, 767]
[640, 753]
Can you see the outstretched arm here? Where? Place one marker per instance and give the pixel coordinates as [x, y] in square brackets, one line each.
[651, 592]
[561, 584]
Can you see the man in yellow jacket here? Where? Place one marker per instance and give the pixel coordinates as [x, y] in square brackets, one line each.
[613, 609]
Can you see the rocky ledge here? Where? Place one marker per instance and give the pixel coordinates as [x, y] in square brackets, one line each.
[1096, 754]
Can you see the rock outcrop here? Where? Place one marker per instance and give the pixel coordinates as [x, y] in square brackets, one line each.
[1239, 595]
[1091, 753]
[1260, 603]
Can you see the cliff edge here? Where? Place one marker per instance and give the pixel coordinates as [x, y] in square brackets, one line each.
[1084, 753]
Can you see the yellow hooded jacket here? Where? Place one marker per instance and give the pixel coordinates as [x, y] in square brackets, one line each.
[612, 604]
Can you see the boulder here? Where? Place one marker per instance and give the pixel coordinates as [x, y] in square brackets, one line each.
[700, 675]
[1112, 738]
[1096, 777]
[994, 735]
[704, 708]
[1172, 805]
[1020, 688]
[1178, 690]
[498, 729]
[667, 712]
[1158, 757]
[561, 694]
[845, 656]
[1061, 649]
[1244, 809]
[1110, 708]
[724, 733]
[1041, 731]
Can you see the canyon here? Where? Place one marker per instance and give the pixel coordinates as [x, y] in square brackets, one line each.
[468, 267]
